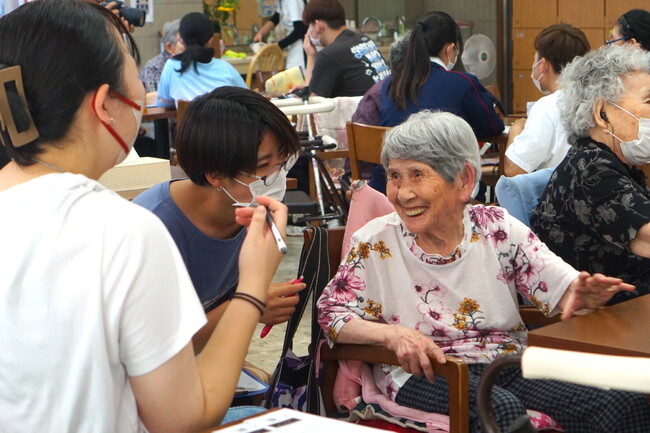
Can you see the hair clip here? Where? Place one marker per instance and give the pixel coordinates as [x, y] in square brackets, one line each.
[12, 77]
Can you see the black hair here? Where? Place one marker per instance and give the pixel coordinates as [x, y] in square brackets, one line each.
[329, 11]
[431, 33]
[221, 131]
[65, 48]
[561, 43]
[636, 24]
[196, 30]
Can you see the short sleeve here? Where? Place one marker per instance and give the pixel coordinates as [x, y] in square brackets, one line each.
[150, 296]
[538, 274]
[325, 76]
[534, 145]
[292, 9]
[236, 78]
[164, 98]
[612, 204]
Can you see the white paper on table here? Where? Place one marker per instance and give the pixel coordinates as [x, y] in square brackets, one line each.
[292, 421]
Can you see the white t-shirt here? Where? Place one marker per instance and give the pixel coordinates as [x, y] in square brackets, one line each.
[290, 11]
[543, 142]
[92, 290]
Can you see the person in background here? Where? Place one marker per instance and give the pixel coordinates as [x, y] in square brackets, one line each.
[340, 62]
[195, 71]
[633, 27]
[541, 141]
[595, 211]
[172, 45]
[234, 145]
[368, 110]
[290, 12]
[97, 310]
[439, 276]
[426, 80]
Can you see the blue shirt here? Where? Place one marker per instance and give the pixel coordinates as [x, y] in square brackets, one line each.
[174, 86]
[451, 91]
[212, 263]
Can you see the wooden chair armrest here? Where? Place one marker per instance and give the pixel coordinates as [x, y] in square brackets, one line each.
[332, 154]
[532, 316]
[454, 370]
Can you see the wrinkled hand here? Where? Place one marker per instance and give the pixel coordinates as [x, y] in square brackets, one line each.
[259, 37]
[309, 48]
[281, 302]
[588, 292]
[413, 350]
[259, 256]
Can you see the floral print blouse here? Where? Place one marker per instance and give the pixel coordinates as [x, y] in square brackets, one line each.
[467, 302]
[591, 210]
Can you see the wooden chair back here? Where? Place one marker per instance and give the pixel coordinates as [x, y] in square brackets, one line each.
[269, 60]
[364, 143]
[455, 370]
[180, 110]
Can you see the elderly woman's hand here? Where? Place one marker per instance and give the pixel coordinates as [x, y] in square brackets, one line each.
[588, 292]
[413, 350]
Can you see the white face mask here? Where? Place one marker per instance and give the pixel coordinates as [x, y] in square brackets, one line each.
[316, 43]
[536, 80]
[636, 152]
[276, 190]
[137, 114]
[451, 65]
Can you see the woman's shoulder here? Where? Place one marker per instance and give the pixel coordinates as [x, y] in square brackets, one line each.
[485, 218]
[378, 226]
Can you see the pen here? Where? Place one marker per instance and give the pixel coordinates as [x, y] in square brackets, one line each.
[267, 328]
[276, 233]
[282, 247]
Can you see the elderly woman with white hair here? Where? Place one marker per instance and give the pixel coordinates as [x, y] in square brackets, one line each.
[441, 277]
[595, 211]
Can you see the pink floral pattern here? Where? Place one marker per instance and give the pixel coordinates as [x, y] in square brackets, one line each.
[465, 302]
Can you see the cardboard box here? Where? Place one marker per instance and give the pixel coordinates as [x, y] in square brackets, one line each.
[135, 175]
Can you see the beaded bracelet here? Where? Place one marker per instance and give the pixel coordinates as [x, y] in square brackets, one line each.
[252, 299]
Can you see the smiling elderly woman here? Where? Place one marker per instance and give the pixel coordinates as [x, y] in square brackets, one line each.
[440, 276]
[595, 211]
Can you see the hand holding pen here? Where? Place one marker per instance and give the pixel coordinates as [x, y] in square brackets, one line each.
[281, 303]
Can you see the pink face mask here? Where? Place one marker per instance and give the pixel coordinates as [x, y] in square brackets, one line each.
[137, 113]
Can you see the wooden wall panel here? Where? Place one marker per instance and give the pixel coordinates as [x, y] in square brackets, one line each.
[534, 13]
[615, 8]
[588, 14]
[523, 47]
[523, 89]
[595, 37]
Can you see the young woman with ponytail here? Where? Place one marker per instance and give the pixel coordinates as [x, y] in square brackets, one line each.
[195, 71]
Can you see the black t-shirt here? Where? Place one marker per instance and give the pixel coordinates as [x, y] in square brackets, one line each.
[349, 66]
[591, 210]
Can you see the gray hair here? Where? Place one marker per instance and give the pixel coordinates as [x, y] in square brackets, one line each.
[170, 32]
[598, 75]
[397, 50]
[442, 140]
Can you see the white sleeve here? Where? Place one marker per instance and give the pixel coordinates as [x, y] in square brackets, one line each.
[150, 294]
[292, 9]
[534, 145]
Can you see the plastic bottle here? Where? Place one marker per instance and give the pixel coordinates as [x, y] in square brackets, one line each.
[265, 8]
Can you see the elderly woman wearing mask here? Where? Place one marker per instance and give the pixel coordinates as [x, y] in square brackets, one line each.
[440, 276]
[595, 211]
